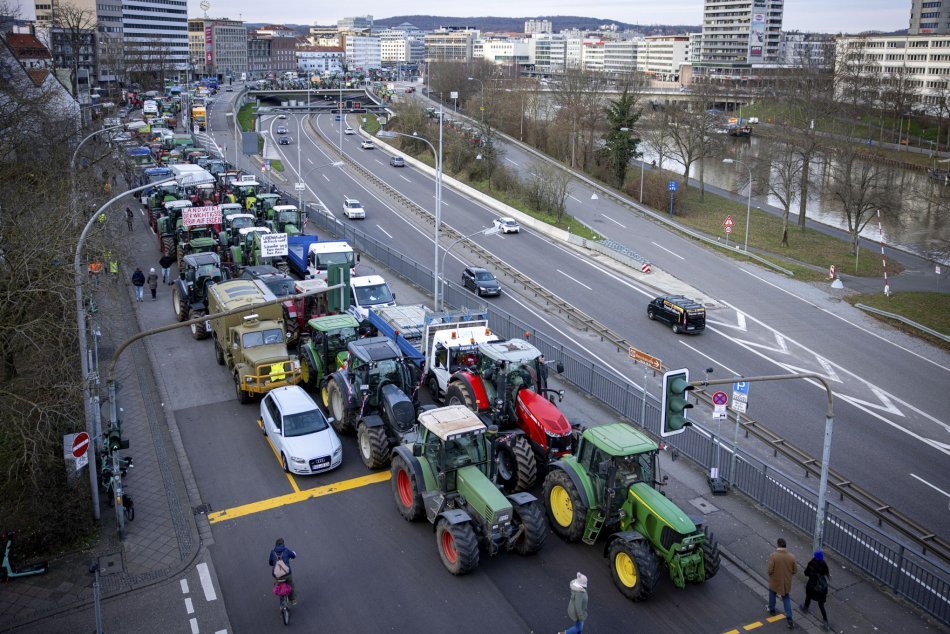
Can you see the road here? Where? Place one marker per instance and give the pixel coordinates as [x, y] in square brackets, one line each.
[889, 408]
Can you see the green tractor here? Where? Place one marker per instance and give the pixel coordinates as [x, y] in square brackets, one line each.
[609, 487]
[325, 349]
[190, 295]
[247, 251]
[285, 219]
[156, 202]
[167, 227]
[194, 239]
[264, 205]
[446, 477]
[232, 220]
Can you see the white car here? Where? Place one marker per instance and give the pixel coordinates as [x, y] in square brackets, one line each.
[301, 434]
[352, 208]
[506, 225]
[349, 130]
[367, 145]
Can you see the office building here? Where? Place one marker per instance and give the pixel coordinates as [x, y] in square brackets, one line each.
[362, 52]
[356, 24]
[155, 36]
[450, 44]
[929, 17]
[810, 50]
[661, 56]
[218, 47]
[739, 35]
[315, 60]
[270, 54]
[537, 26]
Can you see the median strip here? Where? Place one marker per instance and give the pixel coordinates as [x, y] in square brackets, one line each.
[297, 496]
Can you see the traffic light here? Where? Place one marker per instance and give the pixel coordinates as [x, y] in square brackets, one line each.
[676, 388]
[114, 440]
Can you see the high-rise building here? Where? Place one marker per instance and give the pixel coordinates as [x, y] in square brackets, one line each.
[739, 35]
[929, 17]
[537, 26]
[362, 52]
[155, 34]
[218, 46]
[450, 44]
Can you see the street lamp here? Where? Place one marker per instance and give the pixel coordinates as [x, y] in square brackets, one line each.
[482, 84]
[302, 184]
[748, 208]
[487, 231]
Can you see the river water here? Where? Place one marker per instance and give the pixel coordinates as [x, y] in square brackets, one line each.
[917, 226]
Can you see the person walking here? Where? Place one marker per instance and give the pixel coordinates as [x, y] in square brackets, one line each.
[782, 568]
[816, 588]
[152, 282]
[577, 607]
[284, 554]
[166, 262]
[138, 281]
[129, 217]
[95, 272]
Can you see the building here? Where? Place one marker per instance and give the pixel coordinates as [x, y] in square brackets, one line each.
[869, 67]
[620, 56]
[812, 50]
[661, 56]
[537, 26]
[155, 39]
[276, 30]
[503, 52]
[268, 54]
[929, 17]
[327, 36]
[739, 35]
[315, 60]
[593, 56]
[362, 52]
[356, 24]
[218, 47]
[548, 53]
[450, 44]
[695, 47]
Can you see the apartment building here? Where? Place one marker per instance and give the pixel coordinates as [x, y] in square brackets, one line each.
[739, 35]
[319, 59]
[450, 44]
[537, 26]
[929, 17]
[362, 52]
[662, 56]
[218, 46]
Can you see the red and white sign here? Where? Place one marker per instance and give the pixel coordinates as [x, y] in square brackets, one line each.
[193, 216]
[646, 268]
[80, 444]
[720, 398]
[728, 224]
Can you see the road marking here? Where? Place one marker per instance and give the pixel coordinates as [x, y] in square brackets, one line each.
[294, 498]
[309, 160]
[404, 178]
[510, 161]
[290, 478]
[702, 354]
[206, 584]
[184, 586]
[756, 624]
[914, 475]
[384, 231]
[378, 161]
[574, 278]
[189, 606]
[668, 251]
[194, 625]
[613, 221]
[572, 198]
[326, 177]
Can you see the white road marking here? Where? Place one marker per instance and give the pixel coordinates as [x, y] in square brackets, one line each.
[378, 161]
[404, 178]
[702, 354]
[914, 475]
[384, 231]
[573, 198]
[194, 625]
[189, 606]
[309, 160]
[668, 251]
[574, 279]
[510, 161]
[613, 221]
[325, 177]
[184, 586]
[206, 584]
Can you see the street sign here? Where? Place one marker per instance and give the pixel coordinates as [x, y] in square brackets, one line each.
[672, 186]
[300, 186]
[728, 224]
[80, 444]
[197, 130]
[738, 406]
[719, 411]
[643, 357]
[740, 396]
[720, 398]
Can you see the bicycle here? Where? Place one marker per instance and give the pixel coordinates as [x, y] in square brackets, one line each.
[282, 589]
[7, 571]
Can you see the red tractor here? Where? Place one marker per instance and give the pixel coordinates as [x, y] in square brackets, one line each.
[507, 386]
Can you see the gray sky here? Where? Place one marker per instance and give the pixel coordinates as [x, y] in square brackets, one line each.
[830, 16]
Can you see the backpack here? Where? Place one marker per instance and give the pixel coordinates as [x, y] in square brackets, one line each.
[821, 584]
[281, 569]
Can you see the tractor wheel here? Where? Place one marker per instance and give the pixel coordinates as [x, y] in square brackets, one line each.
[338, 407]
[711, 556]
[242, 396]
[458, 546]
[198, 331]
[168, 246]
[566, 511]
[634, 568]
[531, 518]
[181, 308]
[374, 446]
[325, 394]
[306, 375]
[432, 384]
[459, 393]
[218, 353]
[406, 490]
[516, 465]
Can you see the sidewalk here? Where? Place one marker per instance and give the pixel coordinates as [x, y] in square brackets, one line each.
[164, 539]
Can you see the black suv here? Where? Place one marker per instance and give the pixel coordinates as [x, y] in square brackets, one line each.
[682, 313]
[480, 281]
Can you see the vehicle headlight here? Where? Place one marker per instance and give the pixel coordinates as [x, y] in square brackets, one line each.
[296, 460]
[249, 379]
[338, 451]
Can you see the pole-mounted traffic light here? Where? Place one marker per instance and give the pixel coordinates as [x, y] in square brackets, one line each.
[676, 389]
[114, 440]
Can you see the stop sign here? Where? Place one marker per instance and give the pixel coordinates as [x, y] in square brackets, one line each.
[80, 444]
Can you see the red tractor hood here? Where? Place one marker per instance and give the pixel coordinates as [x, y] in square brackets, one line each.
[541, 414]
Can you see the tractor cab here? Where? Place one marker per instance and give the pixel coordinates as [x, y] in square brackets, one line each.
[615, 462]
[172, 217]
[266, 204]
[384, 377]
[508, 367]
[244, 251]
[233, 221]
[325, 351]
[451, 438]
[285, 219]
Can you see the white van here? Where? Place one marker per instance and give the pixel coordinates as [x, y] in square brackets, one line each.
[369, 291]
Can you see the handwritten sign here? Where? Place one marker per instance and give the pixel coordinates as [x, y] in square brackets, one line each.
[194, 216]
[273, 245]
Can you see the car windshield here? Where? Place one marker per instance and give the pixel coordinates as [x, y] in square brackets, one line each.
[241, 223]
[304, 423]
[463, 451]
[484, 276]
[372, 295]
[340, 257]
[509, 222]
[262, 338]
[287, 217]
[281, 287]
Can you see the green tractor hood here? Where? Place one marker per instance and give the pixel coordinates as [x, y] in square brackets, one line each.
[483, 495]
[200, 245]
[646, 501]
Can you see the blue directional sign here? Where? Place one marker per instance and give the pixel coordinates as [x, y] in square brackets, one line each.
[672, 186]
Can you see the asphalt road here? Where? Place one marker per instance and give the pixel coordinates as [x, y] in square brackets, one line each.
[889, 408]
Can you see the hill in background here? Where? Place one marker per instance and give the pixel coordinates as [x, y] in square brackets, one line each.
[492, 24]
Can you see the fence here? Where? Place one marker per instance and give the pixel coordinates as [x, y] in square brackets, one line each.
[887, 560]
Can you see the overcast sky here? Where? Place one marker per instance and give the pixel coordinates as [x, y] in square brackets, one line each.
[826, 16]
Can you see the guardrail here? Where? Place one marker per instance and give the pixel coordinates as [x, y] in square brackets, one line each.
[903, 320]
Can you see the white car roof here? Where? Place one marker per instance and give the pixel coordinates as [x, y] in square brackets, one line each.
[285, 207]
[292, 399]
[246, 230]
[367, 280]
[330, 247]
[235, 216]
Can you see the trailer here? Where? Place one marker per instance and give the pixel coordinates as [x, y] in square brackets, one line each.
[189, 175]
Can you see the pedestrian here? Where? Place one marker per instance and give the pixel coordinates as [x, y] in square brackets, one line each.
[816, 588]
[577, 607]
[152, 282]
[166, 262]
[95, 271]
[543, 374]
[782, 568]
[138, 281]
[129, 217]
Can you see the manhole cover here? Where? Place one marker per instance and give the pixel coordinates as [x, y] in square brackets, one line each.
[703, 505]
[110, 564]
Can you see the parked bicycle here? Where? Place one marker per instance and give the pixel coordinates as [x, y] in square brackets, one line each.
[7, 571]
[107, 482]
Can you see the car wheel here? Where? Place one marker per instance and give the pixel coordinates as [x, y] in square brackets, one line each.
[650, 315]
[676, 329]
[283, 463]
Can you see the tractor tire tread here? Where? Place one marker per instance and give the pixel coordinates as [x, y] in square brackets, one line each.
[378, 445]
[575, 530]
[466, 546]
[531, 516]
[647, 564]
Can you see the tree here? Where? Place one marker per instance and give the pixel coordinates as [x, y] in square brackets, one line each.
[546, 188]
[578, 101]
[620, 146]
[78, 29]
[780, 175]
[861, 188]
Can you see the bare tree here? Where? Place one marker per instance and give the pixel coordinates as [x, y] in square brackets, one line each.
[780, 174]
[546, 188]
[861, 188]
[77, 26]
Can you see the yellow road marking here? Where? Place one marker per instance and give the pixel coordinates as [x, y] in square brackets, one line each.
[732, 632]
[777, 617]
[290, 478]
[757, 624]
[753, 626]
[297, 496]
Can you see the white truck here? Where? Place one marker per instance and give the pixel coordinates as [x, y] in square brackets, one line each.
[441, 342]
[369, 291]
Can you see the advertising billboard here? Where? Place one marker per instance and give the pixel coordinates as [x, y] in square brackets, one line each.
[757, 32]
[209, 46]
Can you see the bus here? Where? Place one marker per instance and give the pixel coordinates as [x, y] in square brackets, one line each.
[199, 117]
[150, 109]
